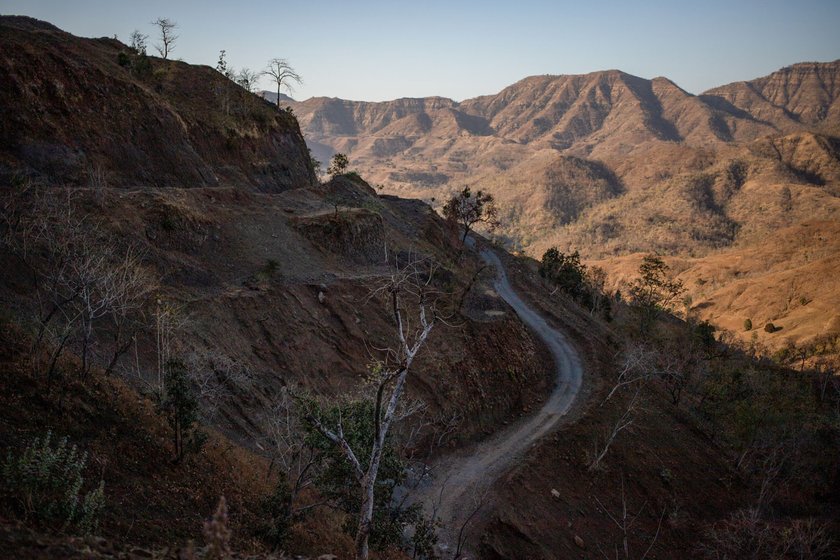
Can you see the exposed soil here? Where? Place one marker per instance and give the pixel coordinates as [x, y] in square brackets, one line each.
[459, 478]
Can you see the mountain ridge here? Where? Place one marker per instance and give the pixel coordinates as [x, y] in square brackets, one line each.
[608, 163]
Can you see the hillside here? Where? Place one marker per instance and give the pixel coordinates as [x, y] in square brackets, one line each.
[86, 110]
[599, 115]
[200, 316]
[610, 164]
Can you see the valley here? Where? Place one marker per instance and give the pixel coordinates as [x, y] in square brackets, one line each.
[211, 349]
[613, 165]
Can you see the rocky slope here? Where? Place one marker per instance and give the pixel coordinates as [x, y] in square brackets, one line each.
[598, 115]
[88, 111]
[806, 94]
[611, 164]
[266, 280]
[267, 270]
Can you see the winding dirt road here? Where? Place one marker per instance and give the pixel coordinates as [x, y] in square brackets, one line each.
[458, 479]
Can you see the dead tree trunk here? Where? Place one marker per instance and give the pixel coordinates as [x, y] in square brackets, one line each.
[407, 281]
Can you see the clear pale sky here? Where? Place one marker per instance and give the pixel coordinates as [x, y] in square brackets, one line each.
[378, 49]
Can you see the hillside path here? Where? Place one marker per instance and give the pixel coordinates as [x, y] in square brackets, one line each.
[460, 479]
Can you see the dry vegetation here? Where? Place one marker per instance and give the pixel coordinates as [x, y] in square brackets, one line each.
[200, 342]
[736, 171]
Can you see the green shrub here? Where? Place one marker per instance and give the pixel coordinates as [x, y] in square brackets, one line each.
[747, 324]
[123, 59]
[354, 176]
[47, 481]
[277, 515]
[167, 223]
[770, 328]
[566, 272]
[180, 407]
[271, 267]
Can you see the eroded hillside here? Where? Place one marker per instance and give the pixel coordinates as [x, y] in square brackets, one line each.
[610, 164]
[87, 110]
[188, 305]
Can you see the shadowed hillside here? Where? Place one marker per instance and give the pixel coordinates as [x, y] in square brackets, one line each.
[202, 345]
[611, 164]
[89, 110]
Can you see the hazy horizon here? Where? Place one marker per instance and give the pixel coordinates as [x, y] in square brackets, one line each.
[377, 51]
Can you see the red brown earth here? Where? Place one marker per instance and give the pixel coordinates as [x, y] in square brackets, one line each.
[274, 270]
[610, 164]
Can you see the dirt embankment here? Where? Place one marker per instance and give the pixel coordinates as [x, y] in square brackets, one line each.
[458, 478]
[91, 112]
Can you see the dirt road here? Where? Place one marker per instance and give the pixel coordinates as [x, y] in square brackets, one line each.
[459, 479]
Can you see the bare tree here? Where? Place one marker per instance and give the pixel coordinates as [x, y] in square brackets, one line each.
[479, 498]
[167, 36]
[621, 423]
[169, 320]
[746, 535]
[215, 378]
[247, 79]
[286, 442]
[137, 42]
[130, 290]
[635, 369]
[80, 274]
[409, 285]
[624, 521]
[283, 74]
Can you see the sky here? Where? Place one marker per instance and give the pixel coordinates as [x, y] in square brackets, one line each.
[376, 50]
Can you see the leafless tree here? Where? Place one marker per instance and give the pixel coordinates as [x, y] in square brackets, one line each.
[284, 439]
[97, 182]
[746, 535]
[478, 499]
[247, 78]
[406, 286]
[215, 378]
[73, 270]
[636, 368]
[130, 290]
[169, 321]
[624, 520]
[137, 42]
[109, 283]
[167, 36]
[444, 426]
[283, 74]
[80, 274]
[621, 423]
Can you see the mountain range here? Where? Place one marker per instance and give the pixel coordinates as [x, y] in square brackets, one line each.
[599, 115]
[185, 305]
[614, 165]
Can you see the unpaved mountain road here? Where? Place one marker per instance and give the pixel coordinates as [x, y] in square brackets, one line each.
[459, 479]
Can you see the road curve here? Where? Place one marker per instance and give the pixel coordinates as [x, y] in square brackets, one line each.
[458, 478]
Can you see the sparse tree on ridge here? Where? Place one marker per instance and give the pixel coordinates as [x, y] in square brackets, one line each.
[338, 165]
[467, 209]
[137, 42]
[654, 291]
[283, 74]
[247, 79]
[167, 36]
[222, 67]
